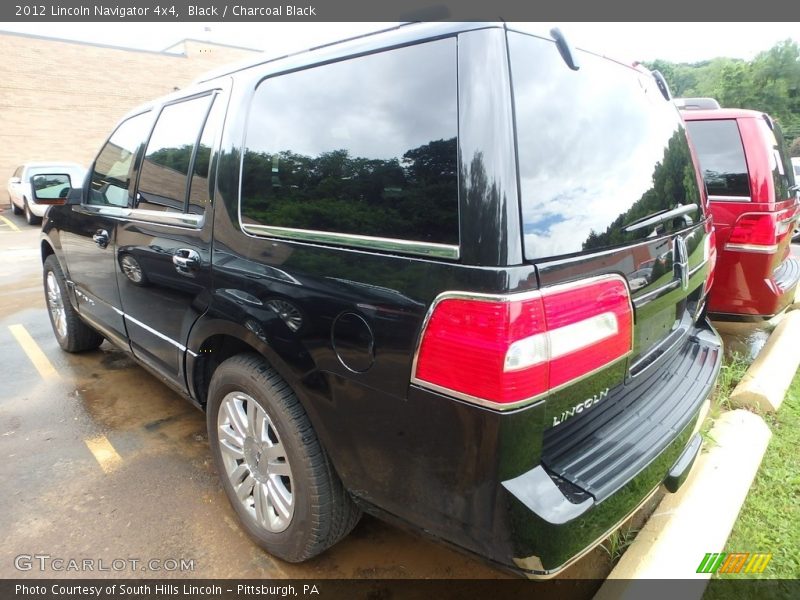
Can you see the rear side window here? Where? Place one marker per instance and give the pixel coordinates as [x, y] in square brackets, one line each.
[719, 149]
[111, 175]
[362, 147]
[599, 149]
[170, 151]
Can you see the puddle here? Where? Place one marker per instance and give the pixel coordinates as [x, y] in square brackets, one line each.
[744, 339]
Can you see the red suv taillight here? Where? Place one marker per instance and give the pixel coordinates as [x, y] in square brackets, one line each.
[504, 350]
[710, 251]
[758, 232]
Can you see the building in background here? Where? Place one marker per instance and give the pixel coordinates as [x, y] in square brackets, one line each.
[59, 100]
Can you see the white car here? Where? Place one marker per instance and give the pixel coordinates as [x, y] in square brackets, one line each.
[796, 166]
[19, 186]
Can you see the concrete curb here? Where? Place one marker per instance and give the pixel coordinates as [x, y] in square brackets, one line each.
[699, 517]
[765, 383]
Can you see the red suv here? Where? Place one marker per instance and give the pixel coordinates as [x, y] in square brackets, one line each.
[754, 203]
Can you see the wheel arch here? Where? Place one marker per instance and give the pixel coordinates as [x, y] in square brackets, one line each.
[212, 341]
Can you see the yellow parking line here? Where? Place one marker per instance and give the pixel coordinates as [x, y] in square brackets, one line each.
[104, 453]
[9, 223]
[35, 354]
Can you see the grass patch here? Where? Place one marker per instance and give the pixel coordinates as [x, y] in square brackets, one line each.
[769, 520]
[730, 374]
[616, 544]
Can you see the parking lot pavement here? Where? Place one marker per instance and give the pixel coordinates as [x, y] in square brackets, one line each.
[100, 461]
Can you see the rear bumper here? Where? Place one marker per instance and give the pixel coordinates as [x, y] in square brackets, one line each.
[519, 492]
[740, 294]
[609, 462]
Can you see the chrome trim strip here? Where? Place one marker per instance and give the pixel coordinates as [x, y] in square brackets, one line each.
[106, 210]
[167, 217]
[673, 284]
[512, 297]
[730, 198]
[158, 334]
[519, 403]
[639, 300]
[752, 248]
[149, 216]
[358, 241]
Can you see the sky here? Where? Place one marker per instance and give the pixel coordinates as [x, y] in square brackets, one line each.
[676, 42]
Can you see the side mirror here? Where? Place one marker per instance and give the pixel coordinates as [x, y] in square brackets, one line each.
[52, 189]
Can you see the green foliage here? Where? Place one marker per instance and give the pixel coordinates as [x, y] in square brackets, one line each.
[616, 544]
[410, 198]
[794, 149]
[674, 183]
[769, 83]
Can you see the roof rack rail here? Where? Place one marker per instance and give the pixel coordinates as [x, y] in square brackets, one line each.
[697, 103]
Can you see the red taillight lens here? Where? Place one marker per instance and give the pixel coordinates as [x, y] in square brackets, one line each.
[754, 231]
[711, 258]
[505, 350]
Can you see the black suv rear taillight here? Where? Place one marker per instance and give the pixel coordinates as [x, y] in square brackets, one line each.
[502, 351]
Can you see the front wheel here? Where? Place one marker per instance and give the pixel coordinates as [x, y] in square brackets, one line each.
[273, 469]
[72, 333]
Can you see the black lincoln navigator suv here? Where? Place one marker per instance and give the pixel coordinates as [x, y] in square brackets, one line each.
[451, 275]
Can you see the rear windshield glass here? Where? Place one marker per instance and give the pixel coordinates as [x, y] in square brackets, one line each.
[599, 149]
[782, 175]
[721, 155]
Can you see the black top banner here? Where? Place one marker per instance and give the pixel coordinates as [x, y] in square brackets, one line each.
[405, 10]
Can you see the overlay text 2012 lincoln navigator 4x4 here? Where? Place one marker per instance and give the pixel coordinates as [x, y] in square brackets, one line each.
[451, 275]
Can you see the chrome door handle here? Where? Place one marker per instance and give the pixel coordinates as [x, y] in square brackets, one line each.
[185, 260]
[100, 238]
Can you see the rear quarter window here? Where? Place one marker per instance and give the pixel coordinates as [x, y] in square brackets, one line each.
[598, 149]
[362, 147]
[722, 160]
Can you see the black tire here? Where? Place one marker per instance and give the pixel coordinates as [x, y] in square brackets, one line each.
[76, 336]
[323, 511]
[14, 208]
[29, 216]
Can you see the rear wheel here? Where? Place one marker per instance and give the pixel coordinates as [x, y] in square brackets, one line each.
[272, 466]
[14, 208]
[31, 218]
[72, 333]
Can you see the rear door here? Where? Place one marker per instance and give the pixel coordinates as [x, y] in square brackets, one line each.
[608, 185]
[163, 255]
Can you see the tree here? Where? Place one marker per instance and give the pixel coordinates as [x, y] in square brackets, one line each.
[769, 83]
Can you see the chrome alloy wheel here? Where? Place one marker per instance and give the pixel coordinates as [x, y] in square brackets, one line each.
[55, 304]
[255, 461]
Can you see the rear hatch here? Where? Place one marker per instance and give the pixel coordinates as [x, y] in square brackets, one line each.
[608, 186]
